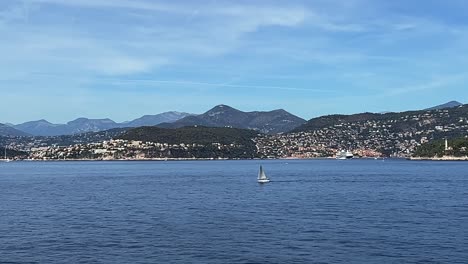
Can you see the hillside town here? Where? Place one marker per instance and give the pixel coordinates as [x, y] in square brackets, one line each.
[137, 150]
[365, 135]
[392, 136]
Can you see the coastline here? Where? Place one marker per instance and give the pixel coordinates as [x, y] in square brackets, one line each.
[158, 159]
[186, 159]
[443, 158]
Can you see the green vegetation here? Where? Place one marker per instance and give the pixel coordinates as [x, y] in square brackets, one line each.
[191, 135]
[457, 148]
[83, 138]
[12, 153]
[198, 142]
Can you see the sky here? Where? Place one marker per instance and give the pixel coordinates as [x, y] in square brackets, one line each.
[121, 59]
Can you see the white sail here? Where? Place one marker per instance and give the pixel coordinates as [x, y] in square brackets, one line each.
[261, 174]
[262, 178]
[6, 159]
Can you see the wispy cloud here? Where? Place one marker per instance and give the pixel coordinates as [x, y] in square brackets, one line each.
[132, 82]
[144, 45]
[439, 82]
[220, 85]
[280, 50]
[123, 4]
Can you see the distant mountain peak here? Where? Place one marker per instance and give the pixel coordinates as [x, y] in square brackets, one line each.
[6, 130]
[40, 121]
[450, 104]
[280, 111]
[175, 113]
[222, 107]
[276, 121]
[152, 120]
[89, 120]
[43, 121]
[80, 119]
[82, 124]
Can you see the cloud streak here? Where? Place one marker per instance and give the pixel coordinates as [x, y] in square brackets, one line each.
[352, 49]
[145, 44]
[209, 84]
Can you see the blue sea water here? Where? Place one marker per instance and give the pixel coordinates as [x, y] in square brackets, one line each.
[313, 211]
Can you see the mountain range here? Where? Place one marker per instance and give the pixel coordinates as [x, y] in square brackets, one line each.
[271, 122]
[268, 122]
[83, 125]
[9, 131]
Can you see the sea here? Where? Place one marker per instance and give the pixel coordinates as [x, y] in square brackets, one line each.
[312, 211]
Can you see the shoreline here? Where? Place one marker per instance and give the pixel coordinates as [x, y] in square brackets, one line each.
[443, 158]
[189, 159]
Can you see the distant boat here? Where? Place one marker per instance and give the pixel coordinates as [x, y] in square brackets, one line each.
[6, 159]
[262, 178]
[344, 154]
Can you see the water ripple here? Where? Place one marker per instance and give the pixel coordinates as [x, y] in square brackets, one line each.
[198, 212]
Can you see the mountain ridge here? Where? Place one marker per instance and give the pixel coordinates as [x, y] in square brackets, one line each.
[8, 131]
[450, 104]
[268, 122]
[79, 125]
[152, 120]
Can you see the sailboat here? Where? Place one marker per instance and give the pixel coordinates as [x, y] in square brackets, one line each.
[6, 159]
[262, 178]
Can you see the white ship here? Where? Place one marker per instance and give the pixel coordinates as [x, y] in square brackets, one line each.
[344, 154]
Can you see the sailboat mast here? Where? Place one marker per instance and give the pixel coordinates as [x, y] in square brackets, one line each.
[261, 174]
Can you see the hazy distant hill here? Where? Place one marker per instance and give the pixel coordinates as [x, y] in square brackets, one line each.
[80, 125]
[64, 140]
[450, 104]
[272, 122]
[152, 120]
[42, 128]
[11, 132]
[83, 125]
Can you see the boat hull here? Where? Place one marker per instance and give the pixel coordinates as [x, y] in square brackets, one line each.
[263, 181]
[344, 155]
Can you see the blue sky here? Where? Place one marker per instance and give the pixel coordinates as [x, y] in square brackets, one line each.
[63, 59]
